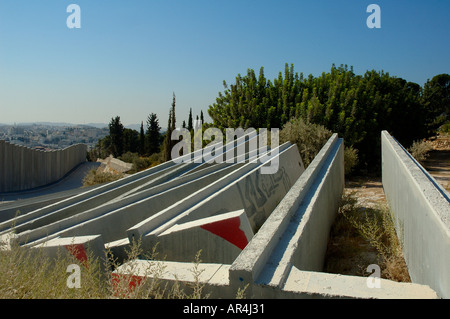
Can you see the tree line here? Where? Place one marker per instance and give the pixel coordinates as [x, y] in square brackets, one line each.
[148, 142]
[357, 107]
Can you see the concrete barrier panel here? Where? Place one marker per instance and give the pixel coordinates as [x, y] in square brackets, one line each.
[86, 200]
[79, 247]
[421, 211]
[298, 226]
[213, 277]
[23, 168]
[121, 213]
[220, 238]
[2, 164]
[184, 211]
[8, 171]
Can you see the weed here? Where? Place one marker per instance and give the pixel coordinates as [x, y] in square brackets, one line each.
[368, 233]
[28, 273]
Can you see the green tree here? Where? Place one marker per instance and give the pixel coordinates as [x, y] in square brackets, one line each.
[116, 130]
[168, 143]
[357, 107]
[130, 141]
[152, 135]
[436, 99]
[190, 126]
[142, 140]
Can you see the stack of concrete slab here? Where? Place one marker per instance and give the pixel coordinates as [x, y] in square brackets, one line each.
[215, 207]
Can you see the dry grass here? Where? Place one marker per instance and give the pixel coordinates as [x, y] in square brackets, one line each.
[93, 177]
[363, 236]
[30, 274]
[26, 274]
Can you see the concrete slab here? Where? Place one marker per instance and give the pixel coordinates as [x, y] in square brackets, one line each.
[308, 284]
[79, 247]
[186, 209]
[299, 225]
[220, 238]
[124, 213]
[213, 277]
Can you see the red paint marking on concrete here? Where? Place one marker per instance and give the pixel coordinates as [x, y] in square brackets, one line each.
[132, 280]
[229, 230]
[78, 251]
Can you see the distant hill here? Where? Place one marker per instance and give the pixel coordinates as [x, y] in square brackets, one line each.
[97, 125]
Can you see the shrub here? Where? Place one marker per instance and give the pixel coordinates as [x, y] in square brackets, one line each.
[445, 128]
[93, 177]
[350, 159]
[128, 157]
[141, 163]
[420, 150]
[309, 137]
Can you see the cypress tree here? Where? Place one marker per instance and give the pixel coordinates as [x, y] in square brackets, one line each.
[168, 138]
[190, 123]
[142, 140]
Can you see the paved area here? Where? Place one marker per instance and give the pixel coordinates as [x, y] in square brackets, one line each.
[73, 181]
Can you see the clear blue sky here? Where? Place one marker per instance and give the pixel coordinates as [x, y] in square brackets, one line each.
[129, 56]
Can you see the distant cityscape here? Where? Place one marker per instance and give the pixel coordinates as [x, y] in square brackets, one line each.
[51, 136]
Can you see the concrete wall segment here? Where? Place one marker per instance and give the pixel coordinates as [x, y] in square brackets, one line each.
[23, 168]
[421, 212]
